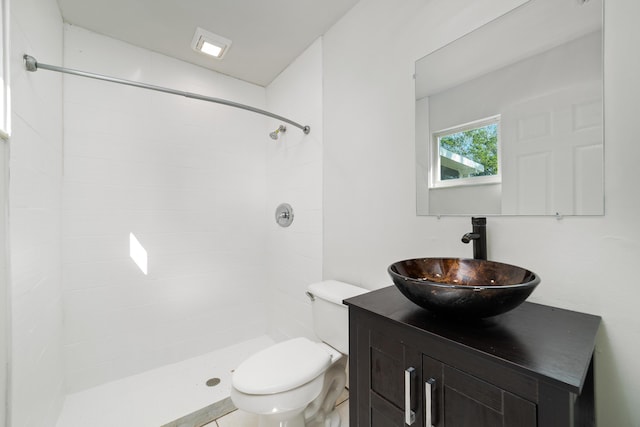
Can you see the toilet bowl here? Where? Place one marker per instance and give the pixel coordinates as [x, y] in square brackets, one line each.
[290, 382]
[296, 383]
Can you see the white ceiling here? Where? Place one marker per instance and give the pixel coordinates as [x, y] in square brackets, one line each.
[266, 35]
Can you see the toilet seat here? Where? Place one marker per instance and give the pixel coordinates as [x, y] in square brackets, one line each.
[281, 367]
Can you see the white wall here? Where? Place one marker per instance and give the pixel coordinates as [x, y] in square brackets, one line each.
[35, 198]
[586, 264]
[294, 176]
[186, 177]
[4, 282]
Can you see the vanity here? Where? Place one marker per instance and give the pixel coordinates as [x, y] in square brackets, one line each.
[531, 366]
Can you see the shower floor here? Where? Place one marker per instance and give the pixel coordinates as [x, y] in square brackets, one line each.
[160, 396]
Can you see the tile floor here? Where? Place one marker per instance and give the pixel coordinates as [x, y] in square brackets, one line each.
[242, 419]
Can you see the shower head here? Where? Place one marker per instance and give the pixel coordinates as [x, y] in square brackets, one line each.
[274, 134]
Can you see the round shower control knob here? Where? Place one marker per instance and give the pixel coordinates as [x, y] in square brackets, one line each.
[284, 215]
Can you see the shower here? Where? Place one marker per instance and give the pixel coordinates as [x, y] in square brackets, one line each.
[162, 165]
[274, 134]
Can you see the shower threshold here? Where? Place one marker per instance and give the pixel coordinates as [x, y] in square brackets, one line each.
[175, 395]
[205, 415]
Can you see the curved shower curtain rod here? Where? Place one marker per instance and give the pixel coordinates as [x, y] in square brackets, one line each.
[31, 64]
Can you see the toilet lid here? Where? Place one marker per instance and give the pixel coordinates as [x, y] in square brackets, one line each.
[281, 367]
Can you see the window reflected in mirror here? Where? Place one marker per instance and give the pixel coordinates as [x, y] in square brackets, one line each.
[466, 154]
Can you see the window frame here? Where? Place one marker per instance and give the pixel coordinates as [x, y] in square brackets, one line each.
[435, 180]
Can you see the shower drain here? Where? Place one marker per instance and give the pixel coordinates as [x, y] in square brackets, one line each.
[212, 382]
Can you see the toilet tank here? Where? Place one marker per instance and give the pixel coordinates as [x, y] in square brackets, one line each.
[330, 316]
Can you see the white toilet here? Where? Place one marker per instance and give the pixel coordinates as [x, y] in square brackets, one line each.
[296, 383]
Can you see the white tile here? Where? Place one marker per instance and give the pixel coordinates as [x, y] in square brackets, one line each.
[294, 175]
[92, 52]
[238, 419]
[139, 334]
[35, 203]
[103, 248]
[97, 273]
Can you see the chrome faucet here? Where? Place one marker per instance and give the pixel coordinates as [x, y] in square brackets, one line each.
[479, 237]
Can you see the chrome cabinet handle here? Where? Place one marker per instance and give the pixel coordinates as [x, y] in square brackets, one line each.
[429, 385]
[409, 415]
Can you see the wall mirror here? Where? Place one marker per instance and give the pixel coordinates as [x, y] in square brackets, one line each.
[509, 118]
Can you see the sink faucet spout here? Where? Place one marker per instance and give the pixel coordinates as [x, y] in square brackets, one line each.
[469, 237]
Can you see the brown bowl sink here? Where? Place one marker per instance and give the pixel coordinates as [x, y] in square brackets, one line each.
[463, 287]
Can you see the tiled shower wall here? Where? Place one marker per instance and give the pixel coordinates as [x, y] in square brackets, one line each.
[186, 178]
[294, 176]
[35, 198]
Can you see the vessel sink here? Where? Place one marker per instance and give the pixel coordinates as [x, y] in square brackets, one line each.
[463, 287]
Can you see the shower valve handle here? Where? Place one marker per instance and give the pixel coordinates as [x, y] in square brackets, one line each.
[284, 215]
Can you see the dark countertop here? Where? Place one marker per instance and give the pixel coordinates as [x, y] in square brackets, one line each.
[549, 343]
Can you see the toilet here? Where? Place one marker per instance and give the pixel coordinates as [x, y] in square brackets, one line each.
[296, 383]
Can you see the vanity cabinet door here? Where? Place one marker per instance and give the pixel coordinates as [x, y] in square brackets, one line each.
[461, 400]
[395, 373]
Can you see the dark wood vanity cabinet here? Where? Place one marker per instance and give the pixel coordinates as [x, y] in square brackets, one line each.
[532, 366]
